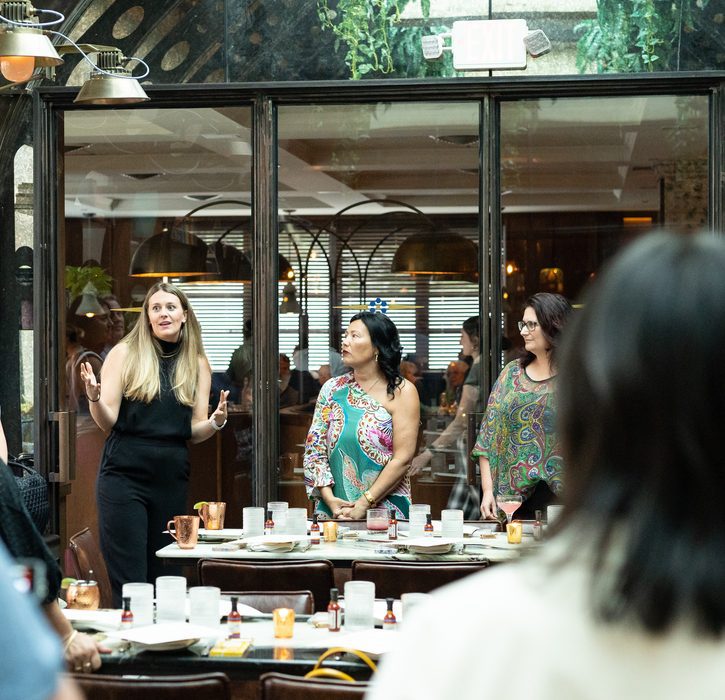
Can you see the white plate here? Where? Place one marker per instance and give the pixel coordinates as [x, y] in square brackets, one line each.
[164, 636]
[169, 646]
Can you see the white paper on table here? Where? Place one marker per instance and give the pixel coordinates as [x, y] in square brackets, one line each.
[430, 545]
[102, 620]
[164, 633]
[374, 642]
[275, 543]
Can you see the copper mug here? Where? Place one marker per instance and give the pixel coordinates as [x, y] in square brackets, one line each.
[212, 514]
[186, 530]
[83, 595]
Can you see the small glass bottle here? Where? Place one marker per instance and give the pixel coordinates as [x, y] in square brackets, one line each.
[126, 615]
[428, 528]
[538, 527]
[269, 524]
[393, 525]
[234, 621]
[315, 530]
[333, 611]
[389, 621]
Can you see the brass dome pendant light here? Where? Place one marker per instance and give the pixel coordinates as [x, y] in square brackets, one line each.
[174, 253]
[439, 254]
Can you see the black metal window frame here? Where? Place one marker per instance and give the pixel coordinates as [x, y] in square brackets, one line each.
[50, 103]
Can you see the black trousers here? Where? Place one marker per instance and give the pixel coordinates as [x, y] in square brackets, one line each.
[142, 484]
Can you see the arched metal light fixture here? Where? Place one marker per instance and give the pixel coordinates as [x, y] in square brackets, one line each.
[175, 253]
[437, 253]
[24, 46]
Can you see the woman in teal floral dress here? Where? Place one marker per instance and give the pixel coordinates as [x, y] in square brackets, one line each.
[517, 446]
[364, 430]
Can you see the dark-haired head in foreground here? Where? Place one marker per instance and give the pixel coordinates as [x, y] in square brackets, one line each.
[641, 385]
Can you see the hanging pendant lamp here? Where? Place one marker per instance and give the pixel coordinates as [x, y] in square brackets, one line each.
[110, 83]
[89, 305]
[174, 253]
[436, 253]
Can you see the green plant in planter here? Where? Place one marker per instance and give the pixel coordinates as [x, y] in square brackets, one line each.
[76, 278]
[634, 36]
[364, 26]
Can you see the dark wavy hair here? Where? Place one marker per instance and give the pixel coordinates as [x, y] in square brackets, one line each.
[472, 326]
[552, 312]
[641, 380]
[385, 339]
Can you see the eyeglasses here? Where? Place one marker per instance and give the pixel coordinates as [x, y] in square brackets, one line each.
[530, 326]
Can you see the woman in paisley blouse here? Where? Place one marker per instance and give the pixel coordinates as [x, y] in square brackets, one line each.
[517, 447]
[363, 434]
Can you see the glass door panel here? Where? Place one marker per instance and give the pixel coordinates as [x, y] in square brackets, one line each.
[359, 186]
[138, 183]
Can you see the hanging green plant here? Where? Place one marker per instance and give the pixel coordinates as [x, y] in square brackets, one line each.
[635, 36]
[364, 27]
[76, 278]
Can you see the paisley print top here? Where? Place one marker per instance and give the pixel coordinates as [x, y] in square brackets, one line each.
[517, 433]
[349, 442]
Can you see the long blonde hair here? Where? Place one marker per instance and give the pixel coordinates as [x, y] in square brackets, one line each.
[140, 377]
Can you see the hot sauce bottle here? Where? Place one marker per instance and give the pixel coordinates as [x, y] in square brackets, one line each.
[538, 526]
[126, 615]
[269, 524]
[389, 621]
[234, 621]
[315, 530]
[393, 526]
[333, 611]
[428, 529]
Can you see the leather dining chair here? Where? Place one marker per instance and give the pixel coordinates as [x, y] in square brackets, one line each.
[393, 578]
[206, 686]
[315, 575]
[302, 602]
[280, 686]
[85, 561]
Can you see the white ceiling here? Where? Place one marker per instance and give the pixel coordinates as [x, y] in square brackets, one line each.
[573, 154]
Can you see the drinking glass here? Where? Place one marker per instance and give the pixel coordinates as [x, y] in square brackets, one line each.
[185, 531]
[377, 522]
[170, 599]
[204, 605]
[142, 602]
[253, 521]
[359, 605]
[83, 595]
[212, 514]
[283, 620]
[509, 504]
[420, 508]
[452, 522]
[410, 601]
[296, 521]
[417, 524]
[514, 530]
[279, 515]
[552, 513]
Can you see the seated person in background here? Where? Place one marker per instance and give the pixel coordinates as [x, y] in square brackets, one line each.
[240, 364]
[303, 382]
[323, 374]
[116, 321]
[629, 589]
[455, 376]
[409, 370]
[288, 395]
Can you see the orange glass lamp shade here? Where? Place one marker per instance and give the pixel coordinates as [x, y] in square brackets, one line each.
[283, 620]
[17, 69]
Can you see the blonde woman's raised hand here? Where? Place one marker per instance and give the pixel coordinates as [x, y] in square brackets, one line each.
[219, 417]
[92, 386]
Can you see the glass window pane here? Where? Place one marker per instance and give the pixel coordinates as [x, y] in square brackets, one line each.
[359, 186]
[138, 183]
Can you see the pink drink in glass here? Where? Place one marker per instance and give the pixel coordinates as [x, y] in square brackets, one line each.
[509, 507]
[377, 522]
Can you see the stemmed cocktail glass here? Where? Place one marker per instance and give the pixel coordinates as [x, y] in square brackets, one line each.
[509, 504]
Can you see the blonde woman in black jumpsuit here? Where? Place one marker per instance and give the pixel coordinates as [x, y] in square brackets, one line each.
[153, 400]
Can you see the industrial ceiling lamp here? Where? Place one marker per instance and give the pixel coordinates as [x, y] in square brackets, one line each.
[289, 304]
[89, 305]
[437, 253]
[110, 83]
[175, 253]
[24, 46]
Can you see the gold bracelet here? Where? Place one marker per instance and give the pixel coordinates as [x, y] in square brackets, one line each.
[70, 639]
[369, 498]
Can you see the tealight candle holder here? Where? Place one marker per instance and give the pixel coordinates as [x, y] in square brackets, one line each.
[283, 620]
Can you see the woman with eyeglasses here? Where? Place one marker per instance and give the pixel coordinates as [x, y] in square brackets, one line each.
[517, 447]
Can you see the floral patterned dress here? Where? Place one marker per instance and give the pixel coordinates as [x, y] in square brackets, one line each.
[517, 433]
[349, 442]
